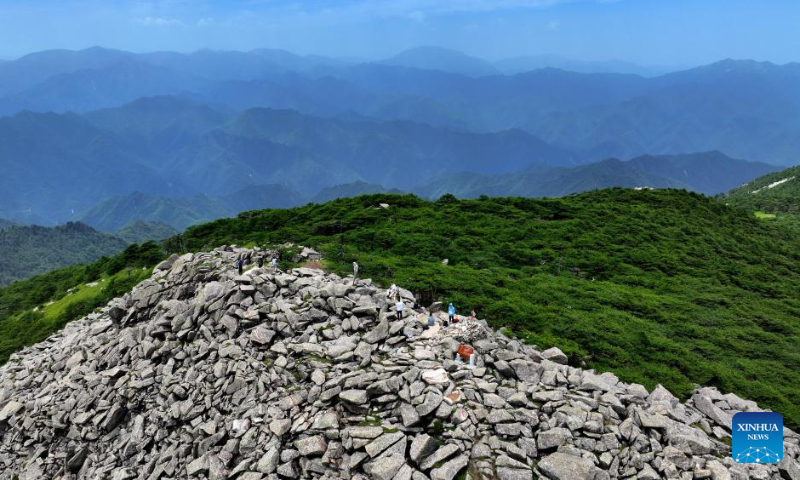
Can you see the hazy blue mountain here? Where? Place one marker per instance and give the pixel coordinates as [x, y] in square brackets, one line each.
[494, 102]
[292, 62]
[526, 63]
[91, 89]
[745, 109]
[706, 172]
[117, 213]
[444, 59]
[31, 250]
[254, 197]
[53, 166]
[141, 231]
[391, 153]
[173, 147]
[350, 190]
[159, 124]
[214, 64]
[30, 70]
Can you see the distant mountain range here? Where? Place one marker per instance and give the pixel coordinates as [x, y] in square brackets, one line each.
[745, 109]
[173, 147]
[179, 138]
[709, 173]
[179, 213]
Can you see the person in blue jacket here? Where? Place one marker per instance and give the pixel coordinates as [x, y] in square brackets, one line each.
[451, 313]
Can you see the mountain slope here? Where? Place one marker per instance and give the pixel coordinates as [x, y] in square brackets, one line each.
[117, 212]
[173, 147]
[158, 124]
[706, 172]
[115, 85]
[775, 196]
[349, 190]
[52, 166]
[446, 60]
[743, 109]
[30, 250]
[141, 232]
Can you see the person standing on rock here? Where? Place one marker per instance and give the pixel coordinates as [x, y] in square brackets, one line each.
[275, 263]
[355, 272]
[451, 314]
[260, 261]
[400, 307]
[240, 265]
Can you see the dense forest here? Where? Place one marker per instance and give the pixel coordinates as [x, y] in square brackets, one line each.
[661, 286]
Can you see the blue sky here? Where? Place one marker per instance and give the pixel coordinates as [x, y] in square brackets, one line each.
[650, 32]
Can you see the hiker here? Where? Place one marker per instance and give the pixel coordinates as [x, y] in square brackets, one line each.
[431, 321]
[399, 307]
[240, 265]
[472, 316]
[260, 261]
[355, 272]
[393, 292]
[275, 263]
[451, 313]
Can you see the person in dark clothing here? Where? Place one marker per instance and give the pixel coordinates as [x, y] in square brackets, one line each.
[260, 261]
[240, 265]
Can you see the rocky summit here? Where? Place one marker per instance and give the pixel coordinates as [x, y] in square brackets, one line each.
[200, 372]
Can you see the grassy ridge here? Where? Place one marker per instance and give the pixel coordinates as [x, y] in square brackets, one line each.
[31, 310]
[774, 197]
[658, 286]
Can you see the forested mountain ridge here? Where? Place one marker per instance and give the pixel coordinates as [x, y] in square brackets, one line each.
[30, 250]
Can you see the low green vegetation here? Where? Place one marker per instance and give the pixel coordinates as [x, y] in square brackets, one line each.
[659, 286]
[764, 215]
[31, 310]
[774, 197]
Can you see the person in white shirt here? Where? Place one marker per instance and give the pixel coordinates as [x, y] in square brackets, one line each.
[355, 272]
[400, 306]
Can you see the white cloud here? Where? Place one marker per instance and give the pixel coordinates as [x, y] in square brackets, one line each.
[158, 21]
[205, 21]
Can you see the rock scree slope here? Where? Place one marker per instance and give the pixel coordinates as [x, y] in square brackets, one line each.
[201, 373]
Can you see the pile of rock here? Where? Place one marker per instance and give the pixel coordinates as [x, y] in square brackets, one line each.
[201, 373]
[465, 330]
